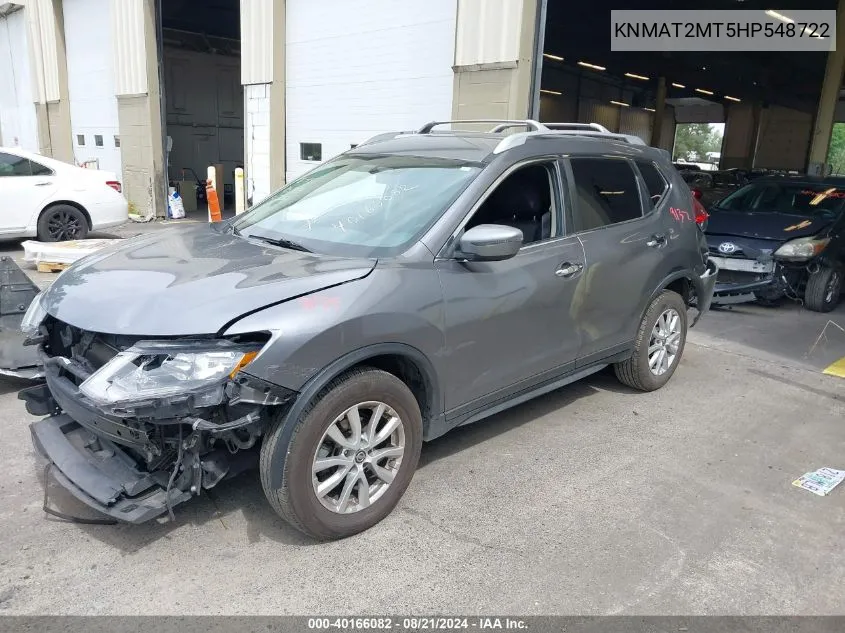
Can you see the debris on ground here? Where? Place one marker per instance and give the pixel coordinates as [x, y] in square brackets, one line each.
[820, 482]
[56, 256]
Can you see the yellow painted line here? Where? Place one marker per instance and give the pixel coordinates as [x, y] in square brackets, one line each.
[836, 369]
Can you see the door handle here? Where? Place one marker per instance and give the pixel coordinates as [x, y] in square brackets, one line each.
[568, 270]
[656, 241]
[42, 184]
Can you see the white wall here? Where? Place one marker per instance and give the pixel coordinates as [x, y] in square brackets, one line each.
[257, 133]
[356, 68]
[18, 124]
[91, 86]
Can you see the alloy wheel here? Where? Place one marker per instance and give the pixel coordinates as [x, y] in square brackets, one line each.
[63, 225]
[358, 457]
[664, 342]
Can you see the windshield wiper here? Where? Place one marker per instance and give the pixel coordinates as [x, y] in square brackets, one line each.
[294, 246]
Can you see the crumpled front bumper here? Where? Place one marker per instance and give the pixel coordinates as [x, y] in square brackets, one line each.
[99, 473]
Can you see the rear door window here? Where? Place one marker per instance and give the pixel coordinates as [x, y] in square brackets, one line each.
[606, 193]
[655, 183]
[11, 165]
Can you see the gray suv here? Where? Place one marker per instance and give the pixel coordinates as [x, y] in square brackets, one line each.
[422, 281]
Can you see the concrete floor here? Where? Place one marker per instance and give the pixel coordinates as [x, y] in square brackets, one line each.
[591, 500]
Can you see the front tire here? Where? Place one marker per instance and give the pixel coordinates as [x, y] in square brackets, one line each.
[62, 222]
[351, 455]
[659, 344]
[823, 290]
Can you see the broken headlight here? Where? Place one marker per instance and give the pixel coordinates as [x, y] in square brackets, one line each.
[33, 317]
[155, 370]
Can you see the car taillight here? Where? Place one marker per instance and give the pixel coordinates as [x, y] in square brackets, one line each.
[115, 185]
[700, 213]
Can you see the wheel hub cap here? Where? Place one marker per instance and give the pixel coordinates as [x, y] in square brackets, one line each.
[665, 342]
[358, 457]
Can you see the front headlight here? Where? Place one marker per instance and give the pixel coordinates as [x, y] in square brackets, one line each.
[802, 249]
[154, 370]
[33, 317]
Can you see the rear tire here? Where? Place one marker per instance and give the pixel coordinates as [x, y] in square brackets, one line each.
[823, 290]
[62, 222]
[657, 348]
[328, 516]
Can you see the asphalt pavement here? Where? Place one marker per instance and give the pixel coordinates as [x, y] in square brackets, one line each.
[591, 500]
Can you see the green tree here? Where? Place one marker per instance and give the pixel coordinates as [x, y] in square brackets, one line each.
[836, 153]
[694, 140]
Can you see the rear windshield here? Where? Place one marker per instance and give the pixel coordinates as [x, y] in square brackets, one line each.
[795, 198]
[360, 206]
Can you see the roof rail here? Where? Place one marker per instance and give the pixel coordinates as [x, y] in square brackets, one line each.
[578, 126]
[514, 140]
[503, 124]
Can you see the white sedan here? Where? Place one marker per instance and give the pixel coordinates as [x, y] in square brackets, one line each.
[55, 201]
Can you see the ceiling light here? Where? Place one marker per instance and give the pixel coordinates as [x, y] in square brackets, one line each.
[703, 91]
[593, 66]
[649, 109]
[679, 85]
[550, 92]
[620, 103]
[779, 16]
[633, 76]
[729, 98]
[557, 58]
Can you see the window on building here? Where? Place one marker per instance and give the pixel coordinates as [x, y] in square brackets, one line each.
[654, 181]
[311, 151]
[80, 140]
[116, 141]
[605, 193]
[98, 140]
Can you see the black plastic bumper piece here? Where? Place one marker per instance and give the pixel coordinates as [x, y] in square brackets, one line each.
[99, 473]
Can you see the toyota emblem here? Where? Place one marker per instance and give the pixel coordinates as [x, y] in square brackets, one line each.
[727, 248]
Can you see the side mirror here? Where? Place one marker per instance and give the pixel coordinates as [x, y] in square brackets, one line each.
[490, 243]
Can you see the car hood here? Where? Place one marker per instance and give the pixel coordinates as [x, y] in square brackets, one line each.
[779, 227]
[188, 281]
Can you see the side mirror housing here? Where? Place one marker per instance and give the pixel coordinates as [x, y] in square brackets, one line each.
[490, 243]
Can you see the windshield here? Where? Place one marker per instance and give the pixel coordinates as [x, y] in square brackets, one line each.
[360, 206]
[794, 198]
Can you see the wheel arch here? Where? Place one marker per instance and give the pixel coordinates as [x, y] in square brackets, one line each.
[70, 203]
[405, 362]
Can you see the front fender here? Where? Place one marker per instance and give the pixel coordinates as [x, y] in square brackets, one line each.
[311, 334]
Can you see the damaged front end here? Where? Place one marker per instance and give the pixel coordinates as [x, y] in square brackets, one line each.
[137, 427]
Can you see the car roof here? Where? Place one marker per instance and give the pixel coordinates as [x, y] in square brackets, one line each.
[804, 179]
[483, 147]
[39, 158]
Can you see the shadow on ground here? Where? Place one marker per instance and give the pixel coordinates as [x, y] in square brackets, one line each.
[244, 494]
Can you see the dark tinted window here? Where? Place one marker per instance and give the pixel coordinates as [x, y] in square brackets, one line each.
[605, 193]
[39, 169]
[654, 181]
[787, 197]
[11, 165]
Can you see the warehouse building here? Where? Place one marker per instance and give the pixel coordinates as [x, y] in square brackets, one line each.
[158, 90]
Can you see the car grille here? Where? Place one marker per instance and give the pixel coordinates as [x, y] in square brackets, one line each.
[738, 277]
